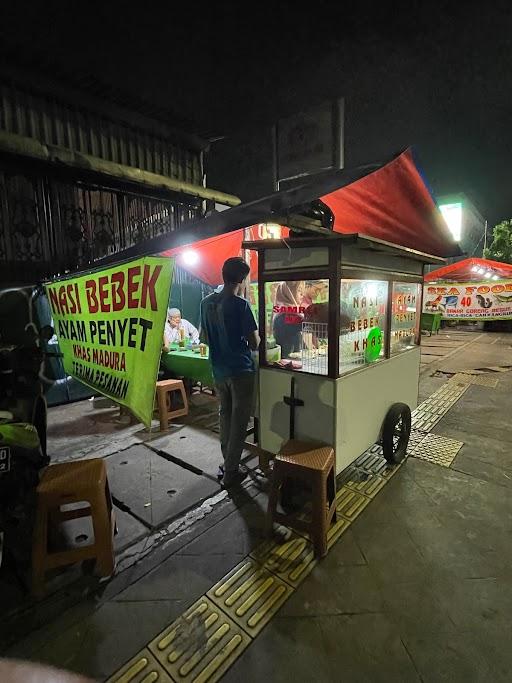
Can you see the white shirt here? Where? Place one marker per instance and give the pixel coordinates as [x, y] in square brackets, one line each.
[172, 334]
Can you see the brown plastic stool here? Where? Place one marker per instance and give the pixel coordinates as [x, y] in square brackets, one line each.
[314, 465]
[164, 390]
[65, 484]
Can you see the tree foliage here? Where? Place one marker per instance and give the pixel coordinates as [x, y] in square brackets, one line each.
[500, 248]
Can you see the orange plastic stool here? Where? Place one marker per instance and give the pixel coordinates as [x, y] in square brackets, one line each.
[314, 465]
[164, 390]
[65, 484]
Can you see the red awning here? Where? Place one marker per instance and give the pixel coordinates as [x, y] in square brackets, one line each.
[393, 204]
[470, 270]
[204, 259]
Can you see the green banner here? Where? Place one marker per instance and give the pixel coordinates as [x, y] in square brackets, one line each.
[110, 326]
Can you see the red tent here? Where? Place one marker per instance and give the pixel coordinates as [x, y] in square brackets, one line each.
[204, 259]
[471, 269]
[390, 202]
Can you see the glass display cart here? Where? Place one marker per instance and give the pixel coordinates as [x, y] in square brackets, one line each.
[339, 319]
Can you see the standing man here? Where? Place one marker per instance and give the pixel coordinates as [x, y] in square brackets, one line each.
[229, 328]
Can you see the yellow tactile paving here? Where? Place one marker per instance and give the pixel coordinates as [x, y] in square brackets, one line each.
[372, 461]
[350, 503]
[416, 438]
[250, 595]
[391, 470]
[367, 484]
[291, 560]
[435, 407]
[200, 645]
[335, 531]
[437, 449]
[482, 380]
[143, 668]
[205, 641]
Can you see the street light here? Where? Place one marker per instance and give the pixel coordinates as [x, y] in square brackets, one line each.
[452, 214]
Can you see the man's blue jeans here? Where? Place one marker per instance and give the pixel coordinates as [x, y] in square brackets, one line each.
[236, 396]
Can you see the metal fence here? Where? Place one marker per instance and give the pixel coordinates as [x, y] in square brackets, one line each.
[48, 226]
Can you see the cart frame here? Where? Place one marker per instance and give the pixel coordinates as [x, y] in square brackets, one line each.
[331, 412]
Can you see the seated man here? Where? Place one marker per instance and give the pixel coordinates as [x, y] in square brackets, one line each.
[173, 325]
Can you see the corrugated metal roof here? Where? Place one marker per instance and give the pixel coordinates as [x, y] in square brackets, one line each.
[82, 128]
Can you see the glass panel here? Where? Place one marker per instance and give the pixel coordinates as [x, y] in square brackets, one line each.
[405, 317]
[252, 297]
[296, 329]
[362, 322]
[296, 257]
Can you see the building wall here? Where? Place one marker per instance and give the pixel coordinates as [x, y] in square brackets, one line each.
[53, 219]
[473, 229]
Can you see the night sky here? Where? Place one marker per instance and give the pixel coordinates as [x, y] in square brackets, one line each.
[434, 75]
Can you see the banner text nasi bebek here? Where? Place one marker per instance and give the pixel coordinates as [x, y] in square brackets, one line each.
[110, 327]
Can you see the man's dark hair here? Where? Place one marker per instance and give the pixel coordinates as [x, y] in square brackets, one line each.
[235, 270]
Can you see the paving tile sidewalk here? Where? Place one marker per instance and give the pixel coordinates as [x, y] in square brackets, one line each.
[418, 589]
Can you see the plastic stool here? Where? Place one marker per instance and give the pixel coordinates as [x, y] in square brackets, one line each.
[164, 390]
[314, 465]
[65, 484]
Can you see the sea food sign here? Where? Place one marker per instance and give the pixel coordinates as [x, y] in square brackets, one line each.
[469, 301]
[110, 327]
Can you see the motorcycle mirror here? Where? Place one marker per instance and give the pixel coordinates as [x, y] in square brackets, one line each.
[46, 332]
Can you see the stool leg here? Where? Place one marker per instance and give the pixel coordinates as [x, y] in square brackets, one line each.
[273, 498]
[331, 492]
[184, 397]
[319, 517]
[103, 535]
[111, 511]
[162, 411]
[39, 551]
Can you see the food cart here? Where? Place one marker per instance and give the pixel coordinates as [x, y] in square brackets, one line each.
[346, 372]
[354, 357]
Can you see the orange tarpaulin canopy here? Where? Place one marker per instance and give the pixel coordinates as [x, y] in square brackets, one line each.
[471, 270]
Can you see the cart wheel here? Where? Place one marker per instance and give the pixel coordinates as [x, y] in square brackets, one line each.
[396, 430]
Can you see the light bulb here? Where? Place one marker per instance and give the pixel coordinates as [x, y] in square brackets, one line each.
[190, 257]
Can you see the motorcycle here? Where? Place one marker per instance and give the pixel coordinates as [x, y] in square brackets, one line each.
[23, 416]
